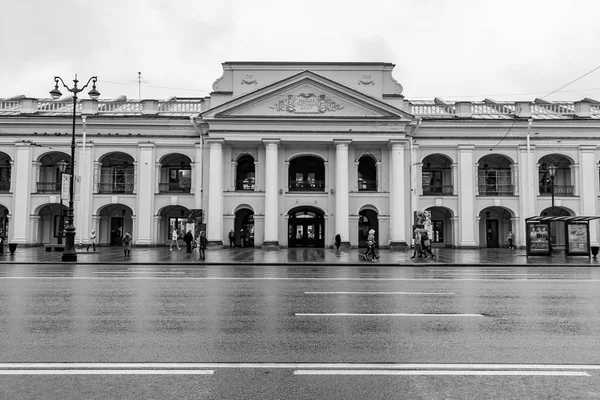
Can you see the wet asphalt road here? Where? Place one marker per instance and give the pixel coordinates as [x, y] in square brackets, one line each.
[281, 332]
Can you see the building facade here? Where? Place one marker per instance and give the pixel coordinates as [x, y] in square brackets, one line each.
[291, 154]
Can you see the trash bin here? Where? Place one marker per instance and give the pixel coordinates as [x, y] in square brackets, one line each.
[595, 251]
[12, 247]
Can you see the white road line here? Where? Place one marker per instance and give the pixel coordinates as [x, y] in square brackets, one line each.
[383, 315]
[365, 366]
[196, 278]
[408, 293]
[421, 372]
[105, 372]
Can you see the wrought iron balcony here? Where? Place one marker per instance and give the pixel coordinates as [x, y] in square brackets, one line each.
[113, 187]
[431, 190]
[306, 186]
[245, 184]
[559, 190]
[496, 190]
[170, 187]
[367, 185]
[48, 187]
[4, 186]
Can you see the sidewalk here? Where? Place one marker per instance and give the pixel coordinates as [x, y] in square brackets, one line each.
[294, 256]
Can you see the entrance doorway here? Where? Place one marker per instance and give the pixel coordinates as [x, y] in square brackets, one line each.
[306, 227]
[367, 220]
[491, 228]
[116, 231]
[244, 228]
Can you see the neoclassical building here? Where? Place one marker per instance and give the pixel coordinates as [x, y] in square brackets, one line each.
[290, 154]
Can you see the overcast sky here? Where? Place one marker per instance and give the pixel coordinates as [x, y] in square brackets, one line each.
[456, 50]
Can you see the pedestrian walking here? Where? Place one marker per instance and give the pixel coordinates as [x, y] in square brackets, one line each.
[231, 239]
[371, 247]
[188, 238]
[203, 243]
[338, 241]
[127, 244]
[92, 241]
[417, 245]
[174, 239]
[510, 239]
[426, 245]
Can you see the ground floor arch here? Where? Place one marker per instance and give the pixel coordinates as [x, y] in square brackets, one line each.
[51, 223]
[442, 226]
[367, 220]
[494, 225]
[306, 227]
[112, 222]
[243, 227]
[170, 218]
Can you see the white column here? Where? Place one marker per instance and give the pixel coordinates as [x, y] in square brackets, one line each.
[528, 181]
[468, 229]
[342, 203]
[215, 192]
[146, 169]
[84, 217]
[588, 191]
[271, 193]
[197, 176]
[21, 194]
[397, 196]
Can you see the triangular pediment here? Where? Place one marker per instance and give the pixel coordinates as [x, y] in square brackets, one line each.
[305, 95]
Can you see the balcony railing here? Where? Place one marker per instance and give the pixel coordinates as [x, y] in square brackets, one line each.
[4, 186]
[113, 187]
[559, 190]
[48, 187]
[170, 187]
[367, 185]
[496, 190]
[306, 186]
[429, 190]
[245, 184]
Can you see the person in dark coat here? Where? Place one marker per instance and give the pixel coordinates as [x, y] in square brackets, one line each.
[426, 245]
[188, 238]
[338, 241]
[203, 244]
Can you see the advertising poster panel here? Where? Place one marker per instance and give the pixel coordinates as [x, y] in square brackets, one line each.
[578, 240]
[538, 239]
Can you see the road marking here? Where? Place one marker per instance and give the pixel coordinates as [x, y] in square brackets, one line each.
[383, 315]
[408, 293]
[197, 278]
[340, 366]
[421, 372]
[105, 372]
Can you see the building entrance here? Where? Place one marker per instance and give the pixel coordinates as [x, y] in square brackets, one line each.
[306, 227]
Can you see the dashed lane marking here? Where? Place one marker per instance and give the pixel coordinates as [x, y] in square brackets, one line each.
[105, 372]
[374, 293]
[453, 372]
[383, 315]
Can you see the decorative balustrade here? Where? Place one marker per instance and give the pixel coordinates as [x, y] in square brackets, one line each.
[182, 107]
[49, 106]
[10, 105]
[432, 109]
[170, 187]
[496, 190]
[120, 107]
[306, 186]
[492, 108]
[429, 190]
[48, 187]
[115, 187]
[365, 185]
[553, 108]
[559, 190]
[245, 184]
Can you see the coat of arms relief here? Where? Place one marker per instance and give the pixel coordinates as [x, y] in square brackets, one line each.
[307, 103]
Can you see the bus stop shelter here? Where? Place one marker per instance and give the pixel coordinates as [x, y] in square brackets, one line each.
[577, 235]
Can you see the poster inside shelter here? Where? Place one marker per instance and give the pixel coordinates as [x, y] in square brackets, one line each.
[577, 238]
[539, 239]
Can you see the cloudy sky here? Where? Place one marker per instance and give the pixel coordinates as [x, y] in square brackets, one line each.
[456, 50]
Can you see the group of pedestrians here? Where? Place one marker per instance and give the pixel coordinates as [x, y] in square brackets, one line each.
[190, 242]
[422, 245]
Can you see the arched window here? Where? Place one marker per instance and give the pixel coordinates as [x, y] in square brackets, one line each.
[307, 174]
[245, 173]
[367, 174]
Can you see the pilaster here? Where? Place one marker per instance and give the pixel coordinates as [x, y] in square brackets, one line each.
[271, 238]
[145, 194]
[215, 192]
[397, 196]
[466, 201]
[341, 190]
[21, 194]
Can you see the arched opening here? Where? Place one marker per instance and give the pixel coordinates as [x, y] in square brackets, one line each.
[174, 218]
[175, 174]
[494, 224]
[494, 176]
[245, 173]
[5, 170]
[116, 174]
[4, 222]
[367, 174]
[244, 228]
[557, 228]
[555, 176]
[114, 220]
[441, 226]
[306, 174]
[52, 223]
[436, 175]
[367, 220]
[51, 170]
[306, 227]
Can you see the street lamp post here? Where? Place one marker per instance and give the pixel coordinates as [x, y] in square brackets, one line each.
[552, 172]
[62, 167]
[69, 253]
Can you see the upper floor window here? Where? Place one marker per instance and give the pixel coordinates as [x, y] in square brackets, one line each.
[307, 174]
[367, 174]
[245, 173]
